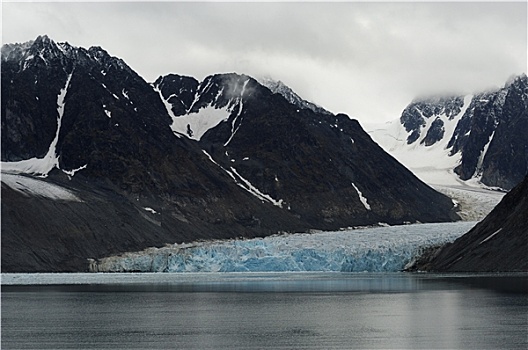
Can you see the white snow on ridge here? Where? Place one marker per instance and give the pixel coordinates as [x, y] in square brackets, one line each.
[245, 184]
[36, 187]
[255, 191]
[42, 166]
[381, 249]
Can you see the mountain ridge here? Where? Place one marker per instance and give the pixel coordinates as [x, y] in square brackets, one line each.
[83, 120]
[478, 138]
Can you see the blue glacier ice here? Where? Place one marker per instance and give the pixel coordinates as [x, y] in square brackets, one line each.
[379, 249]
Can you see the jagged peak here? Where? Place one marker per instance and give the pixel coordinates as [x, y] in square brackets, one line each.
[98, 51]
[516, 80]
[43, 39]
[44, 50]
[278, 87]
[173, 77]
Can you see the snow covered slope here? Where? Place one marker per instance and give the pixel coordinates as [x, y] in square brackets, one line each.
[30, 186]
[430, 161]
[478, 139]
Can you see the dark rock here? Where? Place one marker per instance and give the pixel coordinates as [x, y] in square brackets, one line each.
[310, 161]
[499, 243]
[435, 133]
[414, 117]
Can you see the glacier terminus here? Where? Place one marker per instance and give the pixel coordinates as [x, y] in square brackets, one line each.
[375, 249]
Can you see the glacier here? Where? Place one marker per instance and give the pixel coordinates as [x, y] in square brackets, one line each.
[377, 249]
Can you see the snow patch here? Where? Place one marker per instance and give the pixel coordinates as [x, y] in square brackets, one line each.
[195, 125]
[361, 198]
[30, 186]
[150, 210]
[73, 171]
[125, 94]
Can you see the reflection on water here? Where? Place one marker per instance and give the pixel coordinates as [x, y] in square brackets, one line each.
[256, 311]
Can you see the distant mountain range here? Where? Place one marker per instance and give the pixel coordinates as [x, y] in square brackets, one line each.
[482, 138]
[97, 161]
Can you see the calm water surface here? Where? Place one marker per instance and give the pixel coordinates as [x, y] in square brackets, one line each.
[264, 311]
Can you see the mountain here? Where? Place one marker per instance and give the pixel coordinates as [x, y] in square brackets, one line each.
[321, 167]
[479, 137]
[278, 87]
[83, 120]
[497, 243]
[97, 162]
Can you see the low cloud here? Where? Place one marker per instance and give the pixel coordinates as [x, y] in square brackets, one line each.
[368, 60]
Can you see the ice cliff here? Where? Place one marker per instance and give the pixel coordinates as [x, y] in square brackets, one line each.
[380, 249]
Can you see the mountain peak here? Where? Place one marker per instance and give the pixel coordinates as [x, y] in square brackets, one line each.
[43, 39]
[517, 80]
[278, 87]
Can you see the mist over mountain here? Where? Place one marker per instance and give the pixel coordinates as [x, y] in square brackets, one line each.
[480, 137]
[97, 161]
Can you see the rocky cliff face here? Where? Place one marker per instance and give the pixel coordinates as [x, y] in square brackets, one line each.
[497, 243]
[323, 168]
[176, 160]
[489, 136]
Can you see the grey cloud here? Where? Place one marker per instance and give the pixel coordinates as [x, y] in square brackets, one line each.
[365, 59]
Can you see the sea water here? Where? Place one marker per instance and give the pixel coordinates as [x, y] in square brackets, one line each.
[310, 310]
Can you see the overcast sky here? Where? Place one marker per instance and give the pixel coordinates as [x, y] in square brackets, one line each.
[366, 59]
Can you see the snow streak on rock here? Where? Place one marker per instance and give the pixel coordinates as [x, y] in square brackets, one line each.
[245, 184]
[240, 106]
[361, 198]
[42, 166]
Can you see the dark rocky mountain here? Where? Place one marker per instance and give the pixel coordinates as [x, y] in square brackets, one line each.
[110, 134]
[222, 158]
[323, 168]
[490, 132]
[498, 243]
